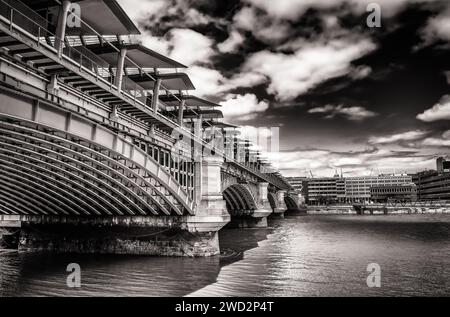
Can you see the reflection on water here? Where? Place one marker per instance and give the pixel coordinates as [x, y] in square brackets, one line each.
[304, 256]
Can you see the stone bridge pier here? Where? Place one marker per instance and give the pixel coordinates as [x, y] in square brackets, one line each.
[278, 204]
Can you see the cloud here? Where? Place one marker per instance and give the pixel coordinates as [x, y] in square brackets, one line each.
[436, 142]
[438, 27]
[292, 75]
[207, 81]
[293, 9]
[243, 107]
[231, 44]
[140, 10]
[443, 141]
[264, 27]
[324, 163]
[351, 113]
[404, 136]
[440, 111]
[190, 47]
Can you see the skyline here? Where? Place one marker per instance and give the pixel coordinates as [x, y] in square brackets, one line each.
[343, 95]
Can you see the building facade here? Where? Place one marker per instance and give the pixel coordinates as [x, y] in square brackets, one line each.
[357, 189]
[340, 190]
[403, 193]
[434, 185]
[325, 190]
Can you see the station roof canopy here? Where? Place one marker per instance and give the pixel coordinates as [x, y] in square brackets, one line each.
[106, 17]
[208, 124]
[173, 81]
[191, 101]
[206, 114]
[139, 54]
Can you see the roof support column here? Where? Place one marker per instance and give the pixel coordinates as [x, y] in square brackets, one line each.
[61, 28]
[199, 127]
[180, 112]
[155, 97]
[120, 68]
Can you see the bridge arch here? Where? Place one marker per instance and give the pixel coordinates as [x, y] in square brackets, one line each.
[290, 202]
[239, 199]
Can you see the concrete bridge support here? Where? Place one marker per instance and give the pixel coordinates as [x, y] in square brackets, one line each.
[279, 206]
[9, 232]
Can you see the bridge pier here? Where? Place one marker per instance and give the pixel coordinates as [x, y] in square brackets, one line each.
[136, 235]
[279, 207]
[9, 232]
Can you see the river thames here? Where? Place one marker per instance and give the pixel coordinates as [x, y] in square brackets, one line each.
[298, 256]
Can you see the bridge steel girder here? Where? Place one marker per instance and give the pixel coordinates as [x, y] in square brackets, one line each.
[88, 201]
[38, 123]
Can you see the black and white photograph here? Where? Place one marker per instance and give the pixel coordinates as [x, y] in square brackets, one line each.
[224, 150]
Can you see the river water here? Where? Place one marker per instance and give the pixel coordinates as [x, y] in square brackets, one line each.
[297, 256]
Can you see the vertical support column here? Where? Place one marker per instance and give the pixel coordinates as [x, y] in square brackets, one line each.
[155, 97]
[180, 112]
[61, 27]
[120, 68]
[199, 127]
[263, 204]
[211, 214]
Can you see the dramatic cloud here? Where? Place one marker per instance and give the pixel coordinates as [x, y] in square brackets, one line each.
[232, 43]
[263, 27]
[436, 142]
[294, 74]
[324, 163]
[190, 47]
[405, 136]
[351, 113]
[293, 9]
[440, 111]
[139, 10]
[438, 27]
[243, 107]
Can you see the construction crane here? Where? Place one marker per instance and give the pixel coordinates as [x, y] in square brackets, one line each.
[310, 172]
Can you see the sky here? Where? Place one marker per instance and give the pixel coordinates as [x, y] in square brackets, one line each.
[343, 95]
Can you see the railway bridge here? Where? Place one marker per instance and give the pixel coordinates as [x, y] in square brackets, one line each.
[103, 149]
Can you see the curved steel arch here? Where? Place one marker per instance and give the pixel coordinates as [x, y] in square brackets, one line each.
[26, 159]
[21, 200]
[238, 196]
[20, 184]
[11, 206]
[43, 152]
[291, 204]
[42, 178]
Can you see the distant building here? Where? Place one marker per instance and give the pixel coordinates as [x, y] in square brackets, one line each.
[442, 165]
[325, 191]
[357, 189]
[300, 184]
[340, 190]
[403, 192]
[434, 185]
